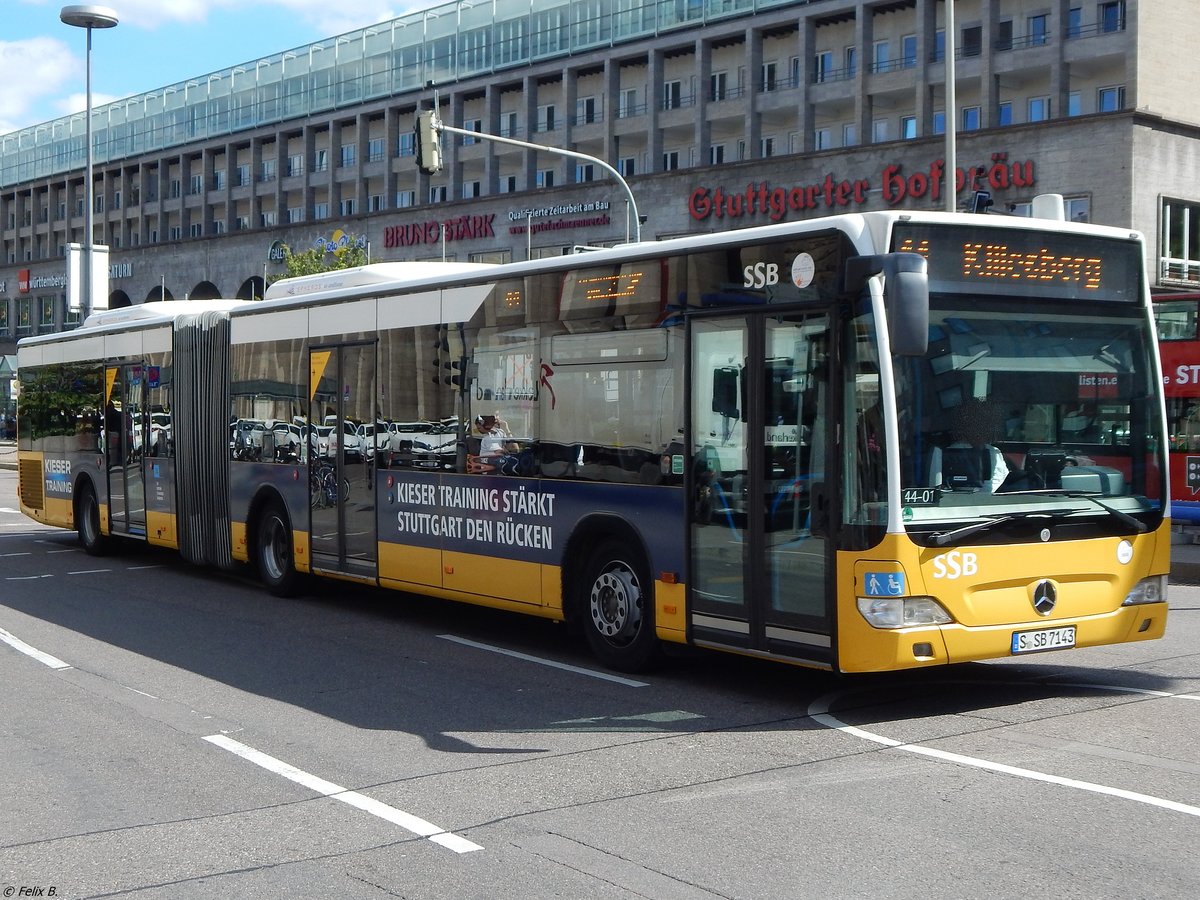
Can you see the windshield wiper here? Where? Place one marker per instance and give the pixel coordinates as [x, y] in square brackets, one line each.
[945, 538]
[1136, 524]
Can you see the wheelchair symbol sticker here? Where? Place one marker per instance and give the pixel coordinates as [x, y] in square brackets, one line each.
[885, 584]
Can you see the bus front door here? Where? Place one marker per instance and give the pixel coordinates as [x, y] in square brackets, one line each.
[124, 443]
[759, 561]
[342, 479]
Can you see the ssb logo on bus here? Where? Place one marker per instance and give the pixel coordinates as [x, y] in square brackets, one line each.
[760, 275]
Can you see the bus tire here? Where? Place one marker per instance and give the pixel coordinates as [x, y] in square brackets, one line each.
[618, 608]
[87, 521]
[273, 551]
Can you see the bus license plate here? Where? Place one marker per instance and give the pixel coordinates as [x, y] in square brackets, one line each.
[1046, 639]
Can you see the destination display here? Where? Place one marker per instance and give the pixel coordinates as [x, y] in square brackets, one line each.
[978, 259]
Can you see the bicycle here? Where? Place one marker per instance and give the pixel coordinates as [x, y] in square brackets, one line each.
[324, 487]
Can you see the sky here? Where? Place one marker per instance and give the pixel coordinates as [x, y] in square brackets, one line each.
[157, 43]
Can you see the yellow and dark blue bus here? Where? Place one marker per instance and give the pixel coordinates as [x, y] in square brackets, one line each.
[854, 443]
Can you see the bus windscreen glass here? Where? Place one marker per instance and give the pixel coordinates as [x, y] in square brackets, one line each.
[1050, 265]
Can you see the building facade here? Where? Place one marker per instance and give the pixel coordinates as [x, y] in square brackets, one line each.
[719, 113]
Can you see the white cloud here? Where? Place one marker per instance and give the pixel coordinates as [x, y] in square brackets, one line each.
[33, 69]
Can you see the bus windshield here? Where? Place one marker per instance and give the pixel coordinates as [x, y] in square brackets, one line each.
[1025, 416]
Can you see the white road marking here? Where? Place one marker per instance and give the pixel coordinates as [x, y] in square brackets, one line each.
[819, 710]
[407, 821]
[17, 644]
[23, 553]
[26, 577]
[578, 670]
[89, 571]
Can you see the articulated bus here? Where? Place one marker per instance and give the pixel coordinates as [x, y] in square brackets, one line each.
[755, 441]
[1179, 344]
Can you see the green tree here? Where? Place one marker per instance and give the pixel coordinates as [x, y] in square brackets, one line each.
[310, 262]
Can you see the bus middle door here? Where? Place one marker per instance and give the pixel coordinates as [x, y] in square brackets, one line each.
[760, 398]
[342, 483]
[125, 424]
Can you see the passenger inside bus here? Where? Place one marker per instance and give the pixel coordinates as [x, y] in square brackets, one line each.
[497, 452]
[970, 461]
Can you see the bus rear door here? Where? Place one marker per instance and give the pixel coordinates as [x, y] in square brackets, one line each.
[758, 576]
[124, 446]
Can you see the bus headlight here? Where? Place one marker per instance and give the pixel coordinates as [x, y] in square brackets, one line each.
[902, 612]
[1148, 590]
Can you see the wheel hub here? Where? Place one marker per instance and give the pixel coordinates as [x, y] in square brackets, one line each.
[616, 604]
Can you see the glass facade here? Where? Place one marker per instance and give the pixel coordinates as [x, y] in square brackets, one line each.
[440, 45]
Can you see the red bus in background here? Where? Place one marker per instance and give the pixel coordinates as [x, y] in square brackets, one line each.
[1177, 318]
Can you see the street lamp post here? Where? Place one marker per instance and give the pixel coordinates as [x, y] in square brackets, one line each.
[88, 17]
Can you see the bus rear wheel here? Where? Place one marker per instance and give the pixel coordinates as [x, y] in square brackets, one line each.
[618, 613]
[87, 521]
[273, 551]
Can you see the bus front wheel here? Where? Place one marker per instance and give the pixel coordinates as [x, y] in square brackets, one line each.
[274, 552]
[618, 614]
[87, 521]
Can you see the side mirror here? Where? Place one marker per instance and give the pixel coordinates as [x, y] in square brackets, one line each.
[905, 296]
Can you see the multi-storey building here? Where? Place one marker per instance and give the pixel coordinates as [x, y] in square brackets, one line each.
[720, 114]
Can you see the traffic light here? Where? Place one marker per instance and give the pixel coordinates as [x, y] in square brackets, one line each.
[429, 146]
[981, 202]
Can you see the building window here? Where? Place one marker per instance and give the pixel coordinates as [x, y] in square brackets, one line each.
[585, 111]
[375, 150]
[405, 199]
[879, 131]
[219, 180]
[437, 193]
[851, 65]
[585, 172]
[295, 165]
[1074, 22]
[375, 203]
[243, 176]
[970, 118]
[823, 66]
[822, 139]
[116, 203]
[627, 104]
[717, 86]
[1179, 256]
[196, 229]
[508, 184]
[348, 207]
[1004, 35]
[321, 210]
[46, 311]
[196, 184]
[716, 154]
[880, 56]
[175, 232]
[972, 41]
[1039, 109]
[174, 190]
[218, 228]
[348, 155]
[545, 117]
[627, 166]
[1112, 16]
[766, 147]
[1078, 209]
[268, 219]
[320, 160]
[471, 125]
[508, 124]
[939, 121]
[908, 51]
[849, 135]
[1037, 29]
[770, 80]
[545, 178]
[1074, 103]
[672, 95]
[670, 160]
[241, 223]
[268, 171]
[908, 127]
[1004, 113]
[406, 144]
[1110, 99]
[295, 214]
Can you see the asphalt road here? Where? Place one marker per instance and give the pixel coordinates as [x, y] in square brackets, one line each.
[174, 732]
